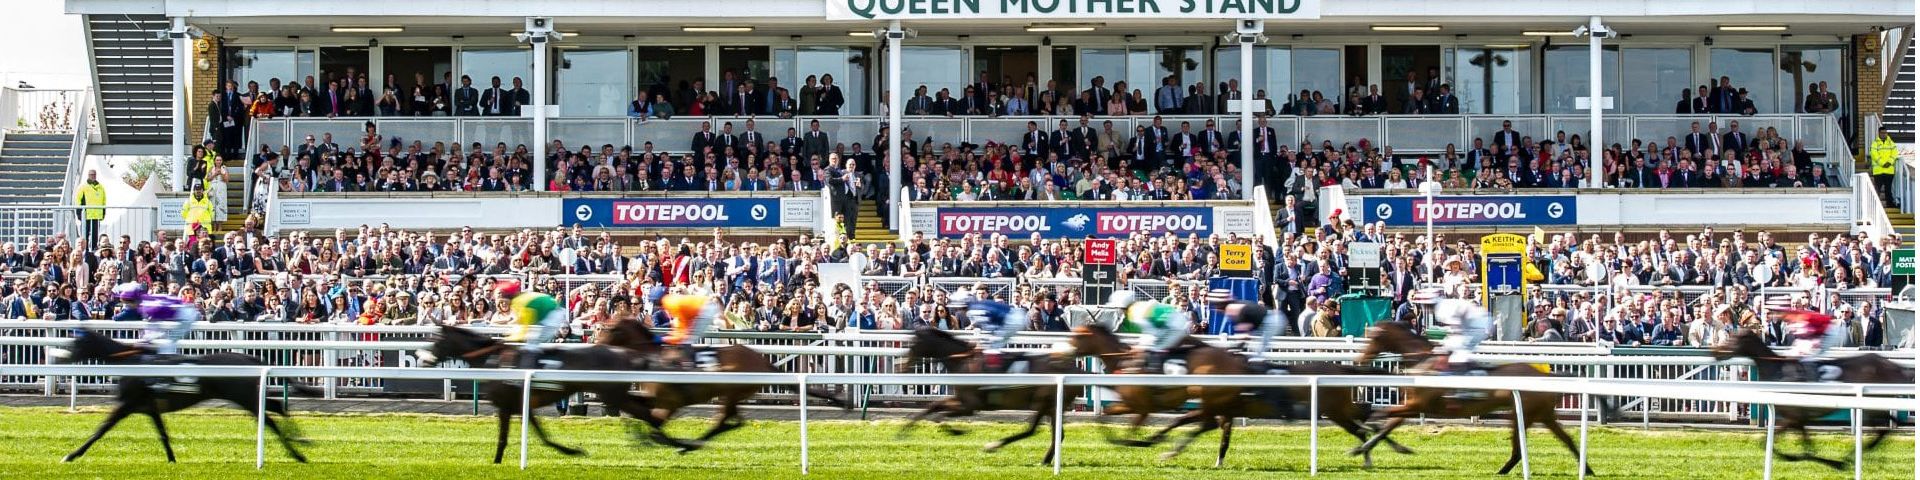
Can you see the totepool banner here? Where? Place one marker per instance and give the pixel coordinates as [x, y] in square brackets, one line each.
[1471, 211]
[1073, 222]
[678, 212]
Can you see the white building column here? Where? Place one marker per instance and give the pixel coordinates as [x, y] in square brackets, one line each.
[178, 153]
[539, 36]
[1246, 113]
[895, 107]
[1596, 176]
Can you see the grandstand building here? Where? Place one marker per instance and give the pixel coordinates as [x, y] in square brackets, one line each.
[1421, 79]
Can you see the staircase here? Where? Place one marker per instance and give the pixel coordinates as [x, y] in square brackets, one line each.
[869, 227]
[33, 167]
[133, 75]
[1899, 116]
[1902, 224]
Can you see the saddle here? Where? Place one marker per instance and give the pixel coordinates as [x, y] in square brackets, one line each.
[1009, 363]
[180, 385]
[543, 361]
[1822, 372]
[703, 359]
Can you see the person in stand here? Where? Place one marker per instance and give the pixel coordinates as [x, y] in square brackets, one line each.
[999, 320]
[91, 194]
[1161, 327]
[539, 316]
[1248, 318]
[692, 316]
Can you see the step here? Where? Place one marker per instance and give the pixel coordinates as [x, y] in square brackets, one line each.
[14, 141]
[40, 137]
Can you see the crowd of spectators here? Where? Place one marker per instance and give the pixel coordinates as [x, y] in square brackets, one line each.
[1688, 288]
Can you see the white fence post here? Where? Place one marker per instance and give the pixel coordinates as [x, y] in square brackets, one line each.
[1059, 419]
[260, 424]
[802, 394]
[526, 413]
[1766, 469]
[1520, 434]
[1313, 426]
[1585, 400]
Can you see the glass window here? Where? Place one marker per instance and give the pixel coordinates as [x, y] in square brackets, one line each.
[1566, 76]
[1271, 71]
[344, 62]
[1109, 63]
[1748, 68]
[1065, 64]
[744, 63]
[423, 67]
[1182, 63]
[935, 66]
[593, 83]
[1657, 77]
[262, 65]
[1493, 80]
[1007, 66]
[1804, 68]
[1317, 69]
[847, 65]
[671, 71]
[485, 64]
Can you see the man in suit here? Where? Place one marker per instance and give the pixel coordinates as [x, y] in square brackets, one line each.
[1697, 142]
[943, 104]
[744, 100]
[1724, 96]
[791, 145]
[1060, 141]
[1373, 103]
[1506, 137]
[466, 99]
[1033, 143]
[1445, 103]
[1166, 100]
[725, 140]
[750, 138]
[517, 98]
[1734, 139]
[704, 139]
[816, 143]
[1701, 104]
[1083, 136]
[494, 101]
[1184, 143]
[1157, 137]
[1210, 140]
[920, 104]
[1100, 95]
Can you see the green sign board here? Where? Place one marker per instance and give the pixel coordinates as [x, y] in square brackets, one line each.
[1903, 261]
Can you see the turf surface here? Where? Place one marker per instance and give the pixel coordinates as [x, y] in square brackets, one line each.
[220, 444]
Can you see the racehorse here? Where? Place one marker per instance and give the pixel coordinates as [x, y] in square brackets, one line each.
[667, 399]
[477, 350]
[1399, 338]
[1770, 366]
[1218, 405]
[1141, 401]
[959, 356]
[138, 395]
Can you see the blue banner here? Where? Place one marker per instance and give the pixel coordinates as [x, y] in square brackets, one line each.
[672, 212]
[1073, 222]
[1470, 211]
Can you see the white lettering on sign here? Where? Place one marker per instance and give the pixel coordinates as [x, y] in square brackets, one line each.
[1836, 210]
[1151, 223]
[1468, 210]
[797, 212]
[1070, 9]
[961, 222]
[645, 212]
[1363, 255]
[296, 213]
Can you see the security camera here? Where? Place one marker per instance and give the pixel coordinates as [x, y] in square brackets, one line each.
[1250, 27]
[1580, 31]
[538, 23]
[537, 39]
[896, 34]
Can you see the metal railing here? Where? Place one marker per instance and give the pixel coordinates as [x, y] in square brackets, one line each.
[1868, 215]
[77, 149]
[51, 110]
[29, 224]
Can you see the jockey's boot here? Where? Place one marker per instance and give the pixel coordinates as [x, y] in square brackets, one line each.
[1156, 362]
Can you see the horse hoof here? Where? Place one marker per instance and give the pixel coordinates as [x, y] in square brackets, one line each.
[1402, 449]
[67, 459]
[992, 447]
[1168, 456]
[300, 458]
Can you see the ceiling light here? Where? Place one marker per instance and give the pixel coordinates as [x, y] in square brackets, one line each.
[1406, 28]
[368, 29]
[562, 34]
[1063, 27]
[1548, 33]
[860, 33]
[716, 29]
[1513, 45]
[1753, 28]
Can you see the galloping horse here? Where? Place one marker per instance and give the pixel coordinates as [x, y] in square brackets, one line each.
[959, 356]
[1218, 405]
[1770, 366]
[477, 350]
[1399, 338]
[137, 395]
[667, 399]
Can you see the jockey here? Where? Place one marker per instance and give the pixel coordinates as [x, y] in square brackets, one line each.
[692, 316]
[1467, 325]
[130, 295]
[169, 319]
[999, 320]
[539, 316]
[1161, 326]
[1248, 317]
[1813, 334]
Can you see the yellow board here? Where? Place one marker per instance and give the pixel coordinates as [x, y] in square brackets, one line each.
[1237, 258]
[1503, 243]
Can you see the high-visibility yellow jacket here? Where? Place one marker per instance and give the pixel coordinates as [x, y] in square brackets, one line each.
[1882, 155]
[198, 212]
[92, 195]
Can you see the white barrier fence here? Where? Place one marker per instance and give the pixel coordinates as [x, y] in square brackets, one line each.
[294, 345]
[1585, 388]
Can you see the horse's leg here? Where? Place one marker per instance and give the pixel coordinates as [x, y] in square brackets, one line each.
[916, 417]
[728, 418]
[1208, 422]
[1033, 424]
[1053, 447]
[1514, 440]
[160, 427]
[1226, 439]
[119, 413]
[1353, 428]
[289, 429]
[1378, 436]
[284, 434]
[1806, 447]
[1188, 419]
[500, 447]
[538, 431]
[1553, 425]
[285, 440]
